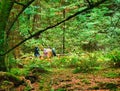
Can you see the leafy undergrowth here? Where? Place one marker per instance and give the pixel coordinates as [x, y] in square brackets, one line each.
[65, 80]
[89, 71]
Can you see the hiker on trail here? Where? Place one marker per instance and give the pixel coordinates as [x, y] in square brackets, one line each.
[48, 52]
[36, 52]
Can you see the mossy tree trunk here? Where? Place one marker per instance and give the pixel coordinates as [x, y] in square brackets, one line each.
[5, 8]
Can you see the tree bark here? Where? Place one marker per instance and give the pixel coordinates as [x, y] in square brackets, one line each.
[6, 6]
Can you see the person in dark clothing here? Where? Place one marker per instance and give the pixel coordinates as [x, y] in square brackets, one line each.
[36, 52]
[53, 51]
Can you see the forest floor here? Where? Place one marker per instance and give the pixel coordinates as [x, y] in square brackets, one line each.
[65, 80]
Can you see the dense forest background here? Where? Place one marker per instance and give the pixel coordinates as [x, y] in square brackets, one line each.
[84, 33]
[98, 28]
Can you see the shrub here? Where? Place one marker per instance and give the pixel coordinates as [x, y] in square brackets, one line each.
[88, 64]
[19, 72]
[38, 66]
[114, 58]
[60, 62]
[12, 62]
[74, 62]
[66, 61]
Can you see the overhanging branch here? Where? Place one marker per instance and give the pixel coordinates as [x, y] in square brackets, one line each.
[49, 27]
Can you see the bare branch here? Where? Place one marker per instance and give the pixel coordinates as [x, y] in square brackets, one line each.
[8, 31]
[49, 27]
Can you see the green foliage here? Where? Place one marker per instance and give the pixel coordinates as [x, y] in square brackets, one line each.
[31, 10]
[38, 66]
[33, 43]
[62, 62]
[111, 74]
[19, 72]
[61, 89]
[12, 62]
[6, 83]
[86, 81]
[114, 58]
[117, 1]
[27, 88]
[87, 64]
[82, 28]
[111, 86]
[74, 62]
[66, 61]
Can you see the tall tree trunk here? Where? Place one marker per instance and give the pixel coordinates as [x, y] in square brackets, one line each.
[6, 6]
[64, 32]
[63, 2]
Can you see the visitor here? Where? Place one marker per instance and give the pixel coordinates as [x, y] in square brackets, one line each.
[36, 52]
